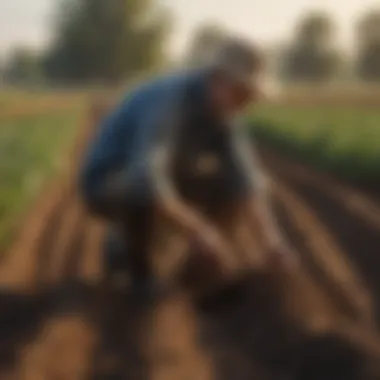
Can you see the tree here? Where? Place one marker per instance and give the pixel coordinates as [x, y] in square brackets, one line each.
[206, 39]
[368, 46]
[312, 57]
[106, 40]
[23, 68]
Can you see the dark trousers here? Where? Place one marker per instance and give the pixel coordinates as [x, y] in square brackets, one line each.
[136, 229]
[127, 242]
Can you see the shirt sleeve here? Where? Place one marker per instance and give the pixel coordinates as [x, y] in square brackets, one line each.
[162, 150]
[249, 174]
[106, 151]
[147, 176]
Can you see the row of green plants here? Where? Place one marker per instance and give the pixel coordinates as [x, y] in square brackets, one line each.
[344, 141]
[32, 149]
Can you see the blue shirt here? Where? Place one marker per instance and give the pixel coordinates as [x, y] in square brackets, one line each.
[160, 136]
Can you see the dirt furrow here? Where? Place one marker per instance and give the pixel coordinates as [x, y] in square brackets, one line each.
[62, 351]
[64, 241]
[120, 352]
[328, 260]
[90, 265]
[47, 243]
[356, 202]
[19, 268]
[359, 242]
[72, 267]
[173, 345]
[359, 239]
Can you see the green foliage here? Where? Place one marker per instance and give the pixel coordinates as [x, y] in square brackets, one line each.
[368, 57]
[31, 149]
[106, 41]
[312, 56]
[344, 141]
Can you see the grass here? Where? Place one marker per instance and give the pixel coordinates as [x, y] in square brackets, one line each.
[342, 140]
[31, 150]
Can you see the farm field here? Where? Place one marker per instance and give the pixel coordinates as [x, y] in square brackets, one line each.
[34, 137]
[340, 139]
[59, 323]
[22, 103]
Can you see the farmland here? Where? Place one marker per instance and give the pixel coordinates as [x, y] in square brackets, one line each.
[341, 139]
[61, 322]
[35, 133]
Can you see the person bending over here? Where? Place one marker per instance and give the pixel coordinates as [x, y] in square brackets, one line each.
[173, 143]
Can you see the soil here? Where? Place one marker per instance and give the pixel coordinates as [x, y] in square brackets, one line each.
[58, 321]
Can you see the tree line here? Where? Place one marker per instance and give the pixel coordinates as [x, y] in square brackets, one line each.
[97, 41]
[313, 55]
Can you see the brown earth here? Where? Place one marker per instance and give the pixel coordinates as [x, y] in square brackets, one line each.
[58, 322]
[39, 104]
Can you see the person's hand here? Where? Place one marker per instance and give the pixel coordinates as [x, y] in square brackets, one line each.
[216, 252]
[282, 257]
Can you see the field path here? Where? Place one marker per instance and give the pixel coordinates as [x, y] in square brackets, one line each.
[58, 322]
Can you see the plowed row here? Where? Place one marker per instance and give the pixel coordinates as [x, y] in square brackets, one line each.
[57, 322]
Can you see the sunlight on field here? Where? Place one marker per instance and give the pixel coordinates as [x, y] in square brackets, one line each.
[18, 102]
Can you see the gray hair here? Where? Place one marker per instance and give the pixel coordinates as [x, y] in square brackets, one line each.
[238, 58]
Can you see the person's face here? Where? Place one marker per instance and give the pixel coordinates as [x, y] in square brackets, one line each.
[230, 97]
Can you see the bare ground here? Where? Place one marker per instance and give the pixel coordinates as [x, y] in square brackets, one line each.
[57, 321]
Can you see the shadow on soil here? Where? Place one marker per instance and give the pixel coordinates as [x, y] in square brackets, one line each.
[249, 337]
[23, 316]
[241, 327]
[356, 236]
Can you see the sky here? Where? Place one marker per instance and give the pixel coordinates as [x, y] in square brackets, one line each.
[26, 22]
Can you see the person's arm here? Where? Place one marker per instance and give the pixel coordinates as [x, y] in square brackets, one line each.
[160, 160]
[255, 183]
[200, 231]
